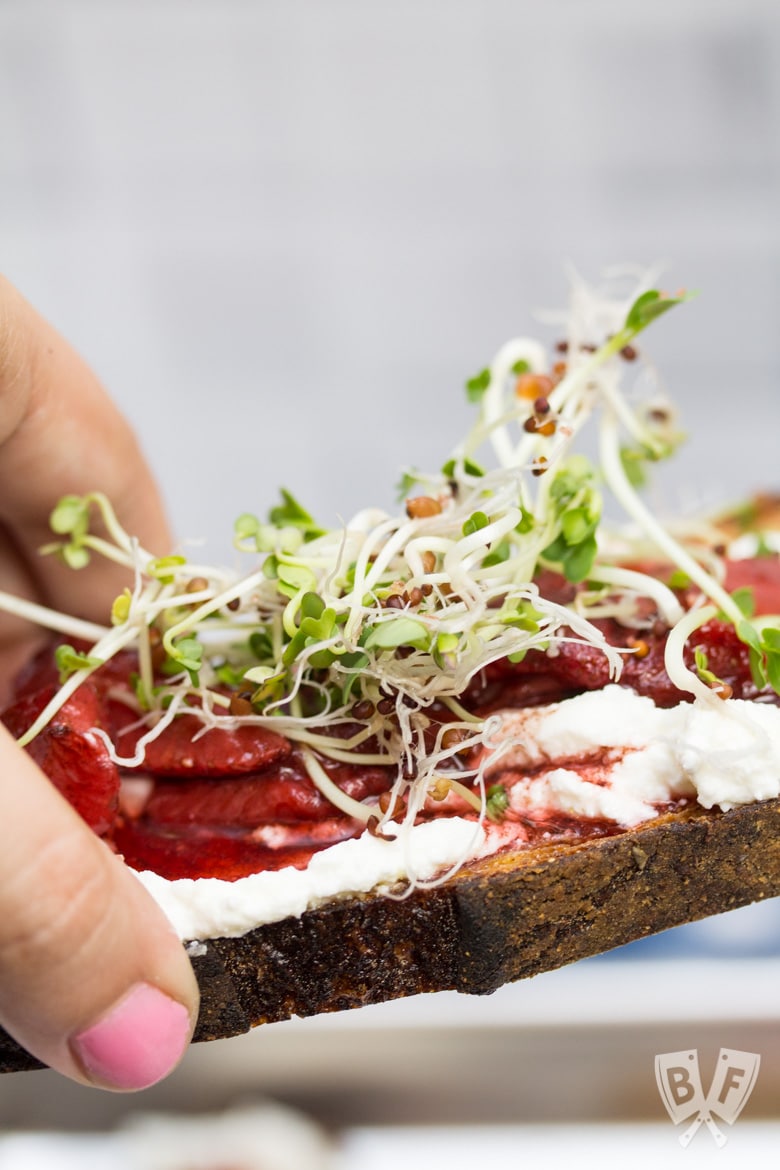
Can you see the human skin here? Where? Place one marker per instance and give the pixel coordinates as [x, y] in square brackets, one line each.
[93, 981]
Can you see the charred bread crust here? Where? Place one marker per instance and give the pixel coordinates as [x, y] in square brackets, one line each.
[504, 918]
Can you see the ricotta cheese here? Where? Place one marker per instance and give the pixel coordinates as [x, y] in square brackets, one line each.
[212, 908]
[609, 754]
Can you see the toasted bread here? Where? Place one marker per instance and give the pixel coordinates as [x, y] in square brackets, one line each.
[504, 918]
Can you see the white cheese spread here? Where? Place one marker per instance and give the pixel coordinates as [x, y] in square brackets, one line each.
[608, 754]
[213, 908]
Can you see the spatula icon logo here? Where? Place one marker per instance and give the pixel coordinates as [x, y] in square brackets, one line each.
[679, 1083]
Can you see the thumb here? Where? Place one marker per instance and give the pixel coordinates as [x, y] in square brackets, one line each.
[93, 981]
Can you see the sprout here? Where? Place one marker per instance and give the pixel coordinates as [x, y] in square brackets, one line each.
[394, 614]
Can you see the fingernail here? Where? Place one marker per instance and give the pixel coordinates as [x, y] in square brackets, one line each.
[137, 1043]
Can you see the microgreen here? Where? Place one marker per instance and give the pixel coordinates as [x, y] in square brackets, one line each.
[68, 661]
[578, 506]
[354, 664]
[496, 802]
[702, 668]
[633, 459]
[187, 654]
[70, 517]
[120, 609]
[469, 468]
[497, 555]
[161, 568]
[649, 306]
[230, 675]
[475, 522]
[408, 481]
[294, 578]
[292, 514]
[678, 579]
[318, 624]
[445, 651]
[400, 631]
[745, 601]
[476, 386]
[764, 646]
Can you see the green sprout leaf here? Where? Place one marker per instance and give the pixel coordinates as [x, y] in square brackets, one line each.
[522, 616]
[70, 517]
[649, 306]
[75, 556]
[745, 600]
[445, 651]
[408, 481]
[161, 567]
[262, 674]
[293, 578]
[678, 579]
[497, 802]
[187, 654]
[475, 522]
[355, 663]
[69, 661]
[318, 624]
[578, 561]
[702, 667]
[578, 507]
[230, 675]
[633, 461]
[521, 366]
[291, 513]
[397, 632]
[498, 555]
[260, 644]
[120, 610]
[527, 522]
[469, 467]
[576, 525]
[245, 527]
[476, 386]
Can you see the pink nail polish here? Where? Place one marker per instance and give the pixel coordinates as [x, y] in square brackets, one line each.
[137, 1043]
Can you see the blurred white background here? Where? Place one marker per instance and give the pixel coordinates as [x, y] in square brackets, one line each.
[285, 231]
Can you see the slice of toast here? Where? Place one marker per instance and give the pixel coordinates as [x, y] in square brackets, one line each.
[504, 918]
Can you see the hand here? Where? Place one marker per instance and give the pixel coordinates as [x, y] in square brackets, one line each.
[93, 980]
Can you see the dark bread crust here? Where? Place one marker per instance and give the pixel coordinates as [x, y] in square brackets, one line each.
[505, 918]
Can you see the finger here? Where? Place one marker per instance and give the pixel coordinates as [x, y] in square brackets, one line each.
[18, 638]
[60, 434]
[93, 980]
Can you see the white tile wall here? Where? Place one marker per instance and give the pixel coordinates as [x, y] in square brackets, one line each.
[285, 232]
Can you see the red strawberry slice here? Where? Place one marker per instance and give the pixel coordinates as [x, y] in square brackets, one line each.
[184, 748]
[73, 757]
[199, 852]
[762, 575]
[282, 794]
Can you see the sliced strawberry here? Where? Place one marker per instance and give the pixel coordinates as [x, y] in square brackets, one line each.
[184, 748]
[762, 575]
[73, 757]
[282, 794]
[199, 852]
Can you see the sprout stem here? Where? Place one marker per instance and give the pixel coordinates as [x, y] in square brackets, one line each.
[51, 619]
[681, 676]
[322, 781]
[615, 476]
